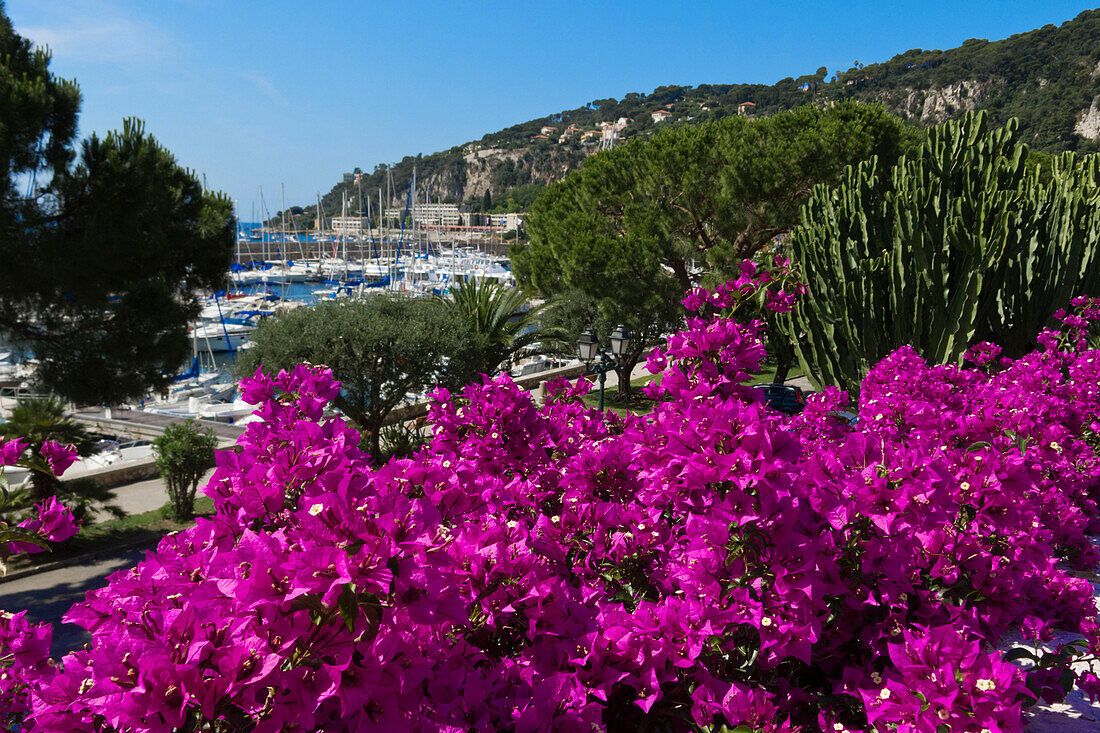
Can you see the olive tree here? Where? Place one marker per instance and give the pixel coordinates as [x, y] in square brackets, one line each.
[381, 349]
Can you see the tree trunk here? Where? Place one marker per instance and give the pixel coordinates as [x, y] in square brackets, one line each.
[782, 368]
[624, 389]
[375, 441]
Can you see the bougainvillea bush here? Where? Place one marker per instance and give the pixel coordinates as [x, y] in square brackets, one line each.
[711, 566]
[24, 647]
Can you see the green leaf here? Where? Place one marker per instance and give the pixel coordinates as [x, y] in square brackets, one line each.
[19, 534]
[1020, 652]
[349, 606]
[311, 602]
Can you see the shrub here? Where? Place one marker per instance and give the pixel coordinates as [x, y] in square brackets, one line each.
[183, 454]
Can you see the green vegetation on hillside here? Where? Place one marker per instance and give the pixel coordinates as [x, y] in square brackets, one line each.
[1045, 78]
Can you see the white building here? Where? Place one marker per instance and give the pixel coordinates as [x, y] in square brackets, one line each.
[430, 214]
[506, 222]
[350, 224]
[660, 115]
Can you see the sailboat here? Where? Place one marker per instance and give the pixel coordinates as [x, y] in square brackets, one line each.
[228, 333]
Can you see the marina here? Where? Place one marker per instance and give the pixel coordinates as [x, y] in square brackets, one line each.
[206, 388]
[333, 268]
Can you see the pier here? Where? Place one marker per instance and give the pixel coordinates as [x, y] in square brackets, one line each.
[138, 425]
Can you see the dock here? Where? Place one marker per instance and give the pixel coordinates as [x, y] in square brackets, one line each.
[138, 425]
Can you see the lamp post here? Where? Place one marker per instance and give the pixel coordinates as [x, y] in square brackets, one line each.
[588, 348]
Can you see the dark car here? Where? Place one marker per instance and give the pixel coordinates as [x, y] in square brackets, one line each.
[783, 397]
[845, 417]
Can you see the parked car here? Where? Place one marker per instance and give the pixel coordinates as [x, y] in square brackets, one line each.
[848, 418]
[783, 397]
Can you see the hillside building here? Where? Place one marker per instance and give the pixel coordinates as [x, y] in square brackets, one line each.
[569, 132]
[350, 225]
[506, 222]
[429, 214]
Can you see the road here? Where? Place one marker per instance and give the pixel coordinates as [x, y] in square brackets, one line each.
[47, 596]
[144, 496]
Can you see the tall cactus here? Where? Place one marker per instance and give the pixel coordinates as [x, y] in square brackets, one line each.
[963, 244]
[1060, 259]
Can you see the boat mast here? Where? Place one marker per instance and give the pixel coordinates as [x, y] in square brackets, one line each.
[381, 243]
[263, 229]
[362, 213]
[282, 215]
[343, 238]
[237, 218]
[389, 202]
[320, 223]
[412, 219]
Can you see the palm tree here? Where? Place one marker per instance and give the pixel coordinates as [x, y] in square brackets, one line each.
[38, 421]
[500, 326]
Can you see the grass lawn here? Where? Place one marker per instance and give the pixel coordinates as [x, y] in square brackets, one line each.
[767, 374]
[146, 527]
[639, 405]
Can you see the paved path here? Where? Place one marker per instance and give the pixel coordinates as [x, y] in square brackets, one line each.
[144, 496]
[47, 596]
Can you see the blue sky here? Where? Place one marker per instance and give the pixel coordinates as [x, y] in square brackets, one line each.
[266, 93]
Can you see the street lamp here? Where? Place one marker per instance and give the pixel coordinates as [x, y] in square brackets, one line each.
[588, 348]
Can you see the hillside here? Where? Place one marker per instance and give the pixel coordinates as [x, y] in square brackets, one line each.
[1049, 78]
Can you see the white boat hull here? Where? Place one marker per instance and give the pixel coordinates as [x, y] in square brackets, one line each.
[214, 338]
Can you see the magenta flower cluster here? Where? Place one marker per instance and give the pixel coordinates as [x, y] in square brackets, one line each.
[24, 647]
[557, 568]
[50, 520]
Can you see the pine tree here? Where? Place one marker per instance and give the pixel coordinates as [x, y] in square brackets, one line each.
[100, 253]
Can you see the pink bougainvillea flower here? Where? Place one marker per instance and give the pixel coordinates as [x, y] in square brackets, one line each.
[11, 451]
[59, 457]
[52, 520]
[712, 563]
